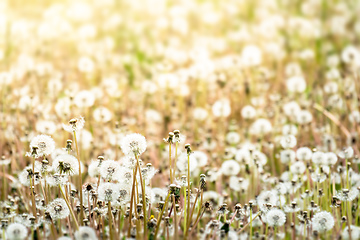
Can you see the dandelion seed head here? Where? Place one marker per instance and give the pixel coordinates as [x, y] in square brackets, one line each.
[66, 164]
[298, 168]
[182, 162]
[287, 156]
[133, 144]
[45, 145]
[58, 209]
[102, 115]
[275, 217]
[248, 112]
[230, 168]
[296, 84]
[323, 221]
[110, 170]
[288, 141]
[355, 232]
[108, 192]
[318, 158]
[221, 108]
[261, 126]
[346, 153]
[232, 138]
[16, 231]
[75, 125]
[201, 158]
[304, 154]
[85, 233]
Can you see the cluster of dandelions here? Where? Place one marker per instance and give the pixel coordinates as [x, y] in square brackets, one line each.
[274, 124]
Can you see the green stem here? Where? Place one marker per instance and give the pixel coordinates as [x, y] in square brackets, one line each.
[170, 165]
[160, 216]
[188, 192]
[251, 220]
[143, 195]
[80, 180]
[110, 220]
[132, 200]
[250, 223]
[69, 206]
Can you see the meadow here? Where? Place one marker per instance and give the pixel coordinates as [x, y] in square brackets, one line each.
[179, 119]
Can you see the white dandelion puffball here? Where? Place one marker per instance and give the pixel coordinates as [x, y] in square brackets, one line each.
[296, 84]
[94, 169]
[108, 192]
[201, 158]
[200, 114]
[251, 56]
[291, 108]
[287, 156]
[85, 233]
[232, 138]
[267, 197]
[44, 143]
[16, 231]
[75, 125]
[182, 162]
[318, 158]
[288, 141]
[261, 126]
[46, 127]
[354, 116]
[109, 170]
[354, 233]
[298, 168]
[66, 164]
[221, 108]
[323, 221]
[102, 114]
[84, 99]
[58, 209]
[346, 153]
[330, 158]
[248, 112]
[275, 217]
[304, 154]
[133, 144]
[230, 168]
[304, 117]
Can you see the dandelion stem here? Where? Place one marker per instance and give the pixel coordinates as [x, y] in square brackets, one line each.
[69, 206]
[143, 195]
[110, 220]
[250, 223]
[251, 220]
[188, 192]
[80, 180]
[132, 199]
[175, 218]
[160, 216]
[170, 165]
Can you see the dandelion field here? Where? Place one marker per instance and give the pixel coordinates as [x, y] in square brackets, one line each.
[188, 119]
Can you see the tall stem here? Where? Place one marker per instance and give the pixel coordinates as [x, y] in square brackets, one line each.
[69, 206]
[175, 218]
[170, 165]
[132, 199]
[110, 220]
[250, 223]
[160, 216]
[80, 180]
[143, 194]
[188, 192]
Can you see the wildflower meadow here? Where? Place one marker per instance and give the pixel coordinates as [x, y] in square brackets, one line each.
[179, 119]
